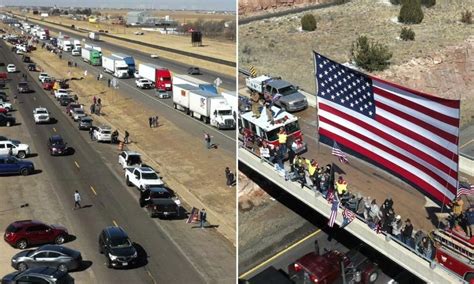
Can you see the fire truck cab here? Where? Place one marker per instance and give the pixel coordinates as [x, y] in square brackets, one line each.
[267, 130]
[455, 251]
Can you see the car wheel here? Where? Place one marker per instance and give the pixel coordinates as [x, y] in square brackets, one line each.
[24, 172]
[373, 277]
[175, 106]
[22, 266]
[21, 155]
[127, 181]
[62, 267]
[8, 123]
[22, 244]
[109, 263]
[151, 214]
[60, 239]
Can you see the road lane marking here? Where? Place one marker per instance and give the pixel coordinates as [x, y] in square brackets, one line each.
[467, 143]
[34, 98]
[151, 276]
[265, 262]
[77, 165]
[115, 223]
[54, 129]
[93, 190]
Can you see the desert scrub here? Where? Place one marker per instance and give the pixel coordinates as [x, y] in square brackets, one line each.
[407, 34]
[411, 12]
[370, 55]
[308, 22]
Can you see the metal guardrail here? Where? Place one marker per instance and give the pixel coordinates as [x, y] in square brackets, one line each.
[432, 264]
[168, 49]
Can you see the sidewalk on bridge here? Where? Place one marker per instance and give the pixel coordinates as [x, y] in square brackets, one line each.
[195, 173]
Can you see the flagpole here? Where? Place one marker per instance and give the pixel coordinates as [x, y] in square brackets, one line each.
[317, 105]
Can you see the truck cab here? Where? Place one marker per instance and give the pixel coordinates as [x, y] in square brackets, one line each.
[291, 99]
[129, 159]
[262, 127]
[142, 177]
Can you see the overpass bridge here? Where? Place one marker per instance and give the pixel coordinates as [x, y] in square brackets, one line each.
[426, 269]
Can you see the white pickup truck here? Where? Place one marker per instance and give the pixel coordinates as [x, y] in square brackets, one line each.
[129, 159]
[18, 149]
[41, 115]
[141, 177]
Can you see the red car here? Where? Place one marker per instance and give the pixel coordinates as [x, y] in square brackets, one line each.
[21, 234]
[3, 110]
[48, 85]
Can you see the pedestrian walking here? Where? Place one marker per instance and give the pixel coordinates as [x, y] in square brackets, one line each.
[150, 121]
[207, 140]
[228, 176]
[125, 138]
[202, 217]
[98, 77]
[77, 200]
[91, 133]
[108, 82]
[99, 101]
[156, 121]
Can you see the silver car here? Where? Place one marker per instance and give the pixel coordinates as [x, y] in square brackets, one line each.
[290, 98]
[77, 114]
[63, 258]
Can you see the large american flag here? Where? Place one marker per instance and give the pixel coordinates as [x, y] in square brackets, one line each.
[413, 134]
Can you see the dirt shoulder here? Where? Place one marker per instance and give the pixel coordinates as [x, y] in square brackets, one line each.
[195, 173]
[218, 49]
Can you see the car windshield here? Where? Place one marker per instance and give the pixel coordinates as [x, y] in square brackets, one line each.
[288, 90]
[79, 111]
[58, 142]
[160, 194]
[149, 176]
[86, 119]
[105, 131]
[225, 112]
[41, 111]
[12, 229]
[134, 159]
[120, 243]
[23, 84]
[272, 135]
[16, 143]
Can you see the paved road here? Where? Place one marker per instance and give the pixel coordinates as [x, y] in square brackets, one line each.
[228, 82]
[169, 259]
[225, 138]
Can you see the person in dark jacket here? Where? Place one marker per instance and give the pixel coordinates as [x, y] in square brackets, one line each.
[291, 158]
[470, 221]
[407, 232]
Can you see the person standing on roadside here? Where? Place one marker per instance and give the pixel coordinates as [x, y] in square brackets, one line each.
[91, 133]
[228, 176]
[150, 121]
[108, 82]
[125, 138]
[156, 121]
[77, 200]
[202, 217]
[207, 140]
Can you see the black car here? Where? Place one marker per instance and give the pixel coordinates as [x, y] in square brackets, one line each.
[31, 67]
[26, 59]
[6, 120]
[57, 146]
[43, 274]
[158, 201]
[3, 96]
[64, 101]
[117, 247]
[194, 71]
[23, 87]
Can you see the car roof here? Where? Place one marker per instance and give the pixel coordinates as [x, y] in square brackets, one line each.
[279, 83]
[132, 153]
[158, 188]
[145, 169]
[86, 118]
[115, 232]
[21, 223]
[41, 108]
[56, 137]
[45, 271]
[58, 248]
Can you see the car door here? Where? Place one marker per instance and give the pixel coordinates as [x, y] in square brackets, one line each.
[32, 234]
[44, 234]
[3, 148]
[11, 165]
[39, 259]
[55, 259]
[29, 279]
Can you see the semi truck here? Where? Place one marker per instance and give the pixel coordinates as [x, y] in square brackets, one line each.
[94, 36]
[64, 44]
[115, 66]
[129, 60]
[76, 44]
[158, 75]
[91, 56]
[95, 47]
[205, 106]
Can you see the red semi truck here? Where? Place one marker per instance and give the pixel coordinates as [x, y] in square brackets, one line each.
[158, 75]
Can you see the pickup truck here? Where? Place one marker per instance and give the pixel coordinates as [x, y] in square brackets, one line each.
[11, 165]
[142, 177]
[144, 83]
[41, 114]
[18, 149]
[159, 201]
[129, 159]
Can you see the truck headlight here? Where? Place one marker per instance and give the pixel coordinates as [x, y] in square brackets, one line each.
[112, 257]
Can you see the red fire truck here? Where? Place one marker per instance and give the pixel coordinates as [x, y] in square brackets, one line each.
[456, 252]
[267, 129]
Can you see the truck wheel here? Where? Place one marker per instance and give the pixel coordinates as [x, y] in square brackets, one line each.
[8, 124]
[218, 126]
[207, 120]
[24, 172]
[127, 181]
[373, 277]
[21, 155]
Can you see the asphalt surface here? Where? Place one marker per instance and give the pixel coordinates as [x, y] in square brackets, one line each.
[228, 82]
[224, 138]
[109, 202]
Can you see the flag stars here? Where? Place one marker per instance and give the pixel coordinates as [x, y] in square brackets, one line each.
[342, 100]
[352, 104]
[361, 108]
[366, 106]
[333, 97]
[339, 83]
[370, 112]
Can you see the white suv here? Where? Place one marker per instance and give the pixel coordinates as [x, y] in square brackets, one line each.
[11, 68]
[41, 115]
[41, 76]
[103, 134]
[18, 149]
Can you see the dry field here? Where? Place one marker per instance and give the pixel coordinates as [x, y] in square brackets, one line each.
[189, 178]
[263, 43]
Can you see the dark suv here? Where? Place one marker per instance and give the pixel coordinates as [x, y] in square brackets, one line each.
[45, 275]
[117, 247]
[23, 87]
[21, 234]
[57, 146]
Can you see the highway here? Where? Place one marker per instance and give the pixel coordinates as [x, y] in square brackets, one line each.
[228, 82]
[167, 248]
[127, 88]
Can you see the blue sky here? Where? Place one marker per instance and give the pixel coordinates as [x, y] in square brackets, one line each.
[228, 5]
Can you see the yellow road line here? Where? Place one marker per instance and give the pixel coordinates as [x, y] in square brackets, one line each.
[252, 270]
[54, 129]
[467, 143]
[115, 223]
[93, 190]
[151, 276]
[77, 165]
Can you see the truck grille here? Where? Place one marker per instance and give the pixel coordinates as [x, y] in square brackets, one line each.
[229, 122]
